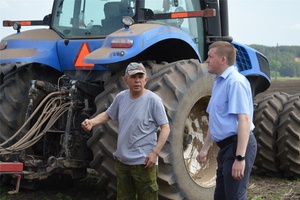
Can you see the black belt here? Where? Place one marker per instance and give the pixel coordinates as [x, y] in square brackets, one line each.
[227, 141]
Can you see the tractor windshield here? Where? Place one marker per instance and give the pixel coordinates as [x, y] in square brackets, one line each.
[192, 26]
[89, 18]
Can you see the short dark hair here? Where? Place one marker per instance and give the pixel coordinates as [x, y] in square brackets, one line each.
[225, 49]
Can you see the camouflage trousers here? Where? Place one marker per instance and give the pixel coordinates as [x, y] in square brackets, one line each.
[134, 182]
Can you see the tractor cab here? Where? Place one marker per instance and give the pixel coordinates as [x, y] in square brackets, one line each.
[76, 19]
[82, 19]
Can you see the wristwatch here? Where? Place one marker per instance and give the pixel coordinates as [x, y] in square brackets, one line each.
[240, 158]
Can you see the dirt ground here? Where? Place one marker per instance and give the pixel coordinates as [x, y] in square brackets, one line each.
[290, 86]
[260, 187]
[273, 188]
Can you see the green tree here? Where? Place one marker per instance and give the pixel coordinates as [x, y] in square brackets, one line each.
[283, 60]
[275, 67]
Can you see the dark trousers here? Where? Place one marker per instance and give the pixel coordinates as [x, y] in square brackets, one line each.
[226, 187]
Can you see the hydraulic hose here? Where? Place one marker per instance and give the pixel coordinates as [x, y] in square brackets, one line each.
[53, 109]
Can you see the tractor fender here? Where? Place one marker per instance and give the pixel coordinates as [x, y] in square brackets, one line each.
[33, 46]
[143, 37]
[250, 62]
[253, 65]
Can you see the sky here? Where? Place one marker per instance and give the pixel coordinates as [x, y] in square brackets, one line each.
[264, 22]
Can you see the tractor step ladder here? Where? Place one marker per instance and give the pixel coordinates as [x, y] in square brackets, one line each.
[14, 168]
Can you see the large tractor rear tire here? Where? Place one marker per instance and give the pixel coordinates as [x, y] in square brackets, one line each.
[288, 140]
[185, 87]
[266, 119]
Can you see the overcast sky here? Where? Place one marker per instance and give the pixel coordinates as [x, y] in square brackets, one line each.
[266, 22]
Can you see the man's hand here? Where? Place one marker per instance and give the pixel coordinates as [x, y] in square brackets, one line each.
[201, 157]
[150, 160]
[86, 125]
[238, 169]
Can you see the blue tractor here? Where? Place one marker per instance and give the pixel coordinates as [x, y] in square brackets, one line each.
[52, 79]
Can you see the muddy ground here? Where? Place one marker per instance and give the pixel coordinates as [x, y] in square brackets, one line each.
[260, 187]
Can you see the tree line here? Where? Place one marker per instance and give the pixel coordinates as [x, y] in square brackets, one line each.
[284, 61]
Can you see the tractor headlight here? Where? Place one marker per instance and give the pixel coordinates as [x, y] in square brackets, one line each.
[127, 21]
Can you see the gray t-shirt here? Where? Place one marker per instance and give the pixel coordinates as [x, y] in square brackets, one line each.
[138, 124]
